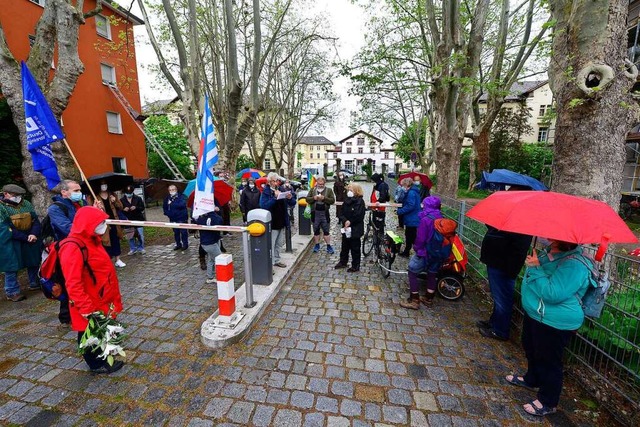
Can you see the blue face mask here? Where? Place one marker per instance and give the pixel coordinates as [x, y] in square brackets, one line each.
[76, 197]
[129, 195]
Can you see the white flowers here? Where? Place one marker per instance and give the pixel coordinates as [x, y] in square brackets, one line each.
[103, 333]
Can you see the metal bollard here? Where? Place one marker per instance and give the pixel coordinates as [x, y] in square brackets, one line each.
[304, 224]
[261, 248]
[247, 270]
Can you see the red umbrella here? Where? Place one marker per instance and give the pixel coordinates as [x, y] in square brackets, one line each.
[423, 178]
[260, 181]
[553, 215]
[222, 193]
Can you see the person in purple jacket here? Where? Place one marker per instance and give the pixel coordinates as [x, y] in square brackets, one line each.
[421, 261]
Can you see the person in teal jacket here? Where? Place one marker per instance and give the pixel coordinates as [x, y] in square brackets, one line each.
[552, 291]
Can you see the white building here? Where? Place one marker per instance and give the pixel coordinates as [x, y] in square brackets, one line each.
[354, 151]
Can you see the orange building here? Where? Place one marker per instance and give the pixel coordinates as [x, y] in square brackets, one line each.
[101, 133]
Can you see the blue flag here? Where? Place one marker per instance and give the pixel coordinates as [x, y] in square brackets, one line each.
[41, 127]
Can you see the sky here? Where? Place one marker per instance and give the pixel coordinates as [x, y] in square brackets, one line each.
[346, 21]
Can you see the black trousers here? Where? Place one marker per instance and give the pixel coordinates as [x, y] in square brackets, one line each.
[410, 234]
[64, 316]
[544, 346]
[350, 245]
[91, 357]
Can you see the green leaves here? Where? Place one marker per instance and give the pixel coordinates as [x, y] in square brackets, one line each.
[174, 142]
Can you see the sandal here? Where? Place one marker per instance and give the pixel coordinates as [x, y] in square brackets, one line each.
[515, 380]
[538, 411]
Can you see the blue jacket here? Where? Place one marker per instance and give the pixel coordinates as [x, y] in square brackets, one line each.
[411, 207]
[209, 237]
[399, 194]
[269, 202]
[551, 293]
[177, 209]
[60, 220]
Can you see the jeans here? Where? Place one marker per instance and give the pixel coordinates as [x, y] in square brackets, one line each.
[502, 287]
[181, 237]
[277, 240]
[11, 285]
[139, 245]
[212, 251]
[544, 348]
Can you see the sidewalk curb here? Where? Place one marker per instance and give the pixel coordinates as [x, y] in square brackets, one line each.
[216, 337]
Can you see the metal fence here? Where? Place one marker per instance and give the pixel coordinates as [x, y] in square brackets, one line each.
[608, 347]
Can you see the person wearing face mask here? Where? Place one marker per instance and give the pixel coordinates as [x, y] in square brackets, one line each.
[133, 208]
[20, 246]
[93, 288]
[109, 204]
[321, 198]
[410, 211]
[279, 214]
[175, 207]
[340, 191]
[249, 199]
[61, 214]
[352, 219]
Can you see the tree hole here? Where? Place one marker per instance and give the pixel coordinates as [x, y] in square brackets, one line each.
[593, 79]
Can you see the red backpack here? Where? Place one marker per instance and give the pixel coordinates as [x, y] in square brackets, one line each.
[52, 280]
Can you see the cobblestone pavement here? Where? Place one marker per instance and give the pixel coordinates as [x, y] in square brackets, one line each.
[334, 349]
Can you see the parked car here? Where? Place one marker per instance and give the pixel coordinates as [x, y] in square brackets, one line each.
[347, 173]
[391, 174]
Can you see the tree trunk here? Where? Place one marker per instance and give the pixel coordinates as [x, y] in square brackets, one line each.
[481, 144]
[591, 125]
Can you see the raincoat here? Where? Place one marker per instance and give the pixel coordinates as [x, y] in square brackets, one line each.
[15, 252]
[430, 212]
[410, 209]
[85, 296]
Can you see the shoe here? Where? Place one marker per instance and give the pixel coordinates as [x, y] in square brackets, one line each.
[330, 250]
[212, 280]
[120, 264]
[34, 287]
[426, 301]
[489, 333]
[515, 380]
[175, 248]
[353, 270]
[16, 297]
[538, 411]
[280, 264]
[484, 324]
[340, 265]
[184, 248]
[106, 369]
[131, 252]
[64, 327]
[403, 254]
[316, 248]
[142, 251]
[203, 263]
[222, 249]
[411, 303]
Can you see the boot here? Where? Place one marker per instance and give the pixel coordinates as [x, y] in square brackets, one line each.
[427, 300]
[203, 262]
[412, 303]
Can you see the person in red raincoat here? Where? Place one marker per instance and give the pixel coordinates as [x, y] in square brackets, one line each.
[87, 295]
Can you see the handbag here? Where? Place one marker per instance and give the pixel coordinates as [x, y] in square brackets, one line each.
[22, 221]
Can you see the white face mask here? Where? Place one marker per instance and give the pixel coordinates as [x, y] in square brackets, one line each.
[101, 228]
[16, 199]
[349, 193]
[173, 193]
[104, 187]
[251, 185]
[320, 187]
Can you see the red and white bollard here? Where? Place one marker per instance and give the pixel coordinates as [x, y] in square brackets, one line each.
[228, 317]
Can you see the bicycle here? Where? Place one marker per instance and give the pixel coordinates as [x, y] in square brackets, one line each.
[386, 245]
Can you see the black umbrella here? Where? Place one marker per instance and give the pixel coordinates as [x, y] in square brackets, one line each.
[115, 181]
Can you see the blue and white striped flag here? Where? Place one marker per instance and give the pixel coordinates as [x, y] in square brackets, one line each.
[203, 201]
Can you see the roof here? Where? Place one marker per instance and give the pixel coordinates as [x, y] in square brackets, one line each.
[122, 11]
[363, 132]
[315, 140]
[519, 90]
[160, 106]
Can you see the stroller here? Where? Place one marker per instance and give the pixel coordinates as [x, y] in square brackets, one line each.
[450, 279]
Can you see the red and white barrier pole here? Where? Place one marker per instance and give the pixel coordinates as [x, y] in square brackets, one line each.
[226, 290]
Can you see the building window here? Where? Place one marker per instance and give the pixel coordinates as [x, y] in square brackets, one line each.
[543, 134]
[360, 150]
[113, 122]
[373, 166]
[361, 140]
[108, 74]
[348, 165]
[544, 109]
[103, 27]
[335, 155]
[318, 155]
[359, 164]
[267, 163]
[317, 148]
[386, 155]
[38, 2]
[119, 164]
[349, 150]
[349, 142]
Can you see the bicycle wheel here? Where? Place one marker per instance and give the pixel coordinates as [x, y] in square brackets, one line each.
[450, 287]
[385, 260]
[367, 241]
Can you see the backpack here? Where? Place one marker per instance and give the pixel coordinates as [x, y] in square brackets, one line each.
[592, 301]
[52, 280]
[439, 246]
[47, 232]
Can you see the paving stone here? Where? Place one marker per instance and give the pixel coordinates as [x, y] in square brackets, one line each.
[280, 397]
[218, 407]
[342, 388]
[350, 408]
[10, 408]
[20, 388]
[449, 403]
[326, 404]
[394, 414]
[417, 418]
[399, 397]
[338, 422]
[240, 412]
[301, 399]
[287, 418]
[199, 422]
[263, 415]
[314, 419]
[24, 415]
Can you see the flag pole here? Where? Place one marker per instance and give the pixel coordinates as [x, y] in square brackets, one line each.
[82, 175]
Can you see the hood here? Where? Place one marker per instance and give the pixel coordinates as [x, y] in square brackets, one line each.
[376, 177]
[430, 205]
[86, 220]
[58, 198]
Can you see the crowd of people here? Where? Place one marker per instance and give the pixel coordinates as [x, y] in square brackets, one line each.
[557, 274]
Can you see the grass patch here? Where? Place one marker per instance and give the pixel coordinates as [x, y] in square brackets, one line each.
[473, 194]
